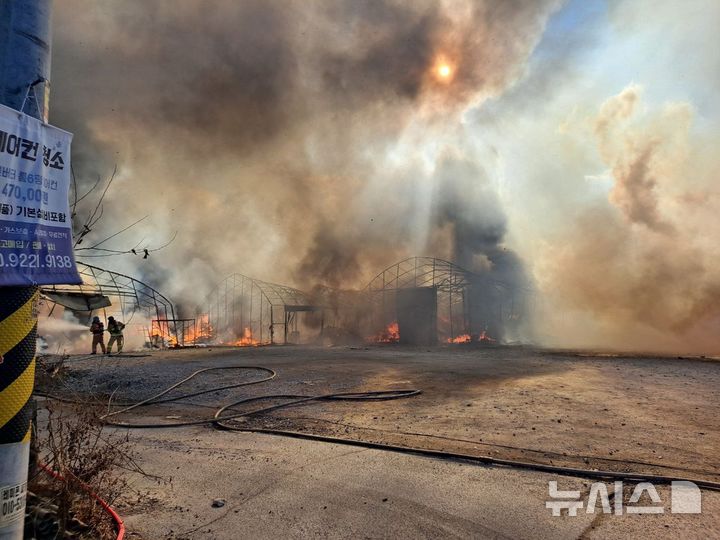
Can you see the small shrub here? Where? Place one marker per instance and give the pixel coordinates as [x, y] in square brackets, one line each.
[88, 457]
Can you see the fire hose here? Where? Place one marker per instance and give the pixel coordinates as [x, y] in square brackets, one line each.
[223, 415]
[119, 525]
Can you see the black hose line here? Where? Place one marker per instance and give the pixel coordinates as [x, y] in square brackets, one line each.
[224, 414]
[383, 395]
[154, 399]
[486, 460]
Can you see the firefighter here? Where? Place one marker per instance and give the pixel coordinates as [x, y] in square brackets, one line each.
[116, 334]
[97, 328]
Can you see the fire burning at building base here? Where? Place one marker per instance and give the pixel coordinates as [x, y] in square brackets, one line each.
[391, 334]
[247, 339]
[418, 301]
[467, 338]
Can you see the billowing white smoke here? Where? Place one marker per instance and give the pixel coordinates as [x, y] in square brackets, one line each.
[63, 333]
[60, 336]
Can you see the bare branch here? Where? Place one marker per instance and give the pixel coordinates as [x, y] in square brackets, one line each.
[89, 191]
[90, 224]
[75, 193]
[102, 196]
[94, 217]
[166, 244]
[96, 256]
[138, 244]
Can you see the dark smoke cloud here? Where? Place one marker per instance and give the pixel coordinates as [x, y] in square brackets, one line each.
[217, 78]
[267, 133]
[467, 204]
[466, 200]
[392, 63]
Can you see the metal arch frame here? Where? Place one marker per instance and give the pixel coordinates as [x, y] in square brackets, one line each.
[421, 272]
[275, 294]
[450, 280]
[258, 298]
[431, 272]
[241, 286]
[98, 280]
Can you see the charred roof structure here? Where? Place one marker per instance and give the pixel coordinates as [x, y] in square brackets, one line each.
[415, 294]
[148, 314]
[103, 288]
[419, 300]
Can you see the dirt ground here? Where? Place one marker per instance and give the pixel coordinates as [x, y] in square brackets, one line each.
[622, 413]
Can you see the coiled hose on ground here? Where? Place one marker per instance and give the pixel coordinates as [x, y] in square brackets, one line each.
[222, 416]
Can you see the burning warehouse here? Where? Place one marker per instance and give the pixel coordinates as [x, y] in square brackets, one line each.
[341, 140]
[245, 311]
[433, 300]
[417, 301]
[66, 311]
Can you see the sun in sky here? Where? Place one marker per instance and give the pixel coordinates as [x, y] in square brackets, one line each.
[443, 69]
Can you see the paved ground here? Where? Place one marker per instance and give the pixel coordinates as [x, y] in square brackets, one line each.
[277, 487]
[620, 413]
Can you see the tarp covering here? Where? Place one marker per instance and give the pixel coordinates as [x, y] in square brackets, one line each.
[77, 301]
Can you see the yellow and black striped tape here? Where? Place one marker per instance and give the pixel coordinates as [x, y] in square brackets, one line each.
[18, 335]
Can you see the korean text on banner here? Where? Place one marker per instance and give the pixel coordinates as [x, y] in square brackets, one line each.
[35, 225]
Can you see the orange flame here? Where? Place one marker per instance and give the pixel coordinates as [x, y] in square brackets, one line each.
[201, 332]
[467, 338]
[484, 338]
[390, 335]
[247, 339]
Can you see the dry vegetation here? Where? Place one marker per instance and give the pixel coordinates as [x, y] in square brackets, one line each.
[87, 459]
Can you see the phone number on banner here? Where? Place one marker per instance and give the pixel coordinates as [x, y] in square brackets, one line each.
[33, 260]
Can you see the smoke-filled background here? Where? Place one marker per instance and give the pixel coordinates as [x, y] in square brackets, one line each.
[564, 146]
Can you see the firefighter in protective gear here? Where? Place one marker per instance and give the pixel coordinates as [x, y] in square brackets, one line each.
[116, 334]
[97, 328]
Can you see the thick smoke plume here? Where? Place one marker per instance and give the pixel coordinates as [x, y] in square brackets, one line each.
[634, 159]
[294, 141]
[315, 143]
[645, 265]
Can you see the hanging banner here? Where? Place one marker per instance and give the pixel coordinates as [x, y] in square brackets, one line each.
[35, 225]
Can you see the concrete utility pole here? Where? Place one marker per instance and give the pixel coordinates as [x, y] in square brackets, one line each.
[24, 85]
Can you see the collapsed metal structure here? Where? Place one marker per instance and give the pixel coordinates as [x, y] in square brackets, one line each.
[131, 294]
[252, 312]
[431, 298]
[462, 305]
[445, 282]
[114, 293]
